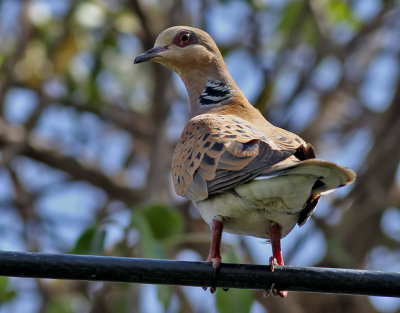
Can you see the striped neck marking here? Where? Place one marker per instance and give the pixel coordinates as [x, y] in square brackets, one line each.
[214, 92]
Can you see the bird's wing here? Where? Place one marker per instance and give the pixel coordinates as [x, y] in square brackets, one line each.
[284, 138]
[217, 152]
[290, 141]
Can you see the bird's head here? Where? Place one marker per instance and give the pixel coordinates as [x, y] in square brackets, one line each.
[193, 54]
[183, 49]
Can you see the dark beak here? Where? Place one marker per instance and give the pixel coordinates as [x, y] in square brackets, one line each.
[148, 55]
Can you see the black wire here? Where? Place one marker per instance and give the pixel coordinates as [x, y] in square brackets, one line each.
[150, 271]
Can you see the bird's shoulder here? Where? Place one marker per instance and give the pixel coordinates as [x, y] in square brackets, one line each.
[284, 138]
[280, 137]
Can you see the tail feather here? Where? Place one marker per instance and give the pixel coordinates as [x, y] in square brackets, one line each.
[329, 175]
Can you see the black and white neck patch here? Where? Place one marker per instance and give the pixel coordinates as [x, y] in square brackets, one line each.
[214, 92]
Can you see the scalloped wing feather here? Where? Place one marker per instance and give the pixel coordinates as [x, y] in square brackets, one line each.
[217, 152]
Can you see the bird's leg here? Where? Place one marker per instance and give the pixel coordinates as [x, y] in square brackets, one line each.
[214, 256]
[276, 259]
[275, 236]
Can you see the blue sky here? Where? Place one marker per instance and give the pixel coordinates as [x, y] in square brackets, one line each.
[61, 202]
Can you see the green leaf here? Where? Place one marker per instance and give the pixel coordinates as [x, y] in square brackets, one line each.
[165, 294]
[339, 11]
[309, 31]
[5, 293]
[60, 305]
[156, 224]
[234, 301]
[90, 242]
[290, 16]
[163, 221]
[121, 301]
[230, 256]
[150, 247]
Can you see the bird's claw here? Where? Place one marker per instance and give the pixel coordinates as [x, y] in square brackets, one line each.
[272, 263]
[282, 293]
[216, 264]
[212, 289]
[275, 292]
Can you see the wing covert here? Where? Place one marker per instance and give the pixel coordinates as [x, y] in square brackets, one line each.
[217, 152]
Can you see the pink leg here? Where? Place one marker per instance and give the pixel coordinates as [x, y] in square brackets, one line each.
[276, 259]
[275, 236]
[214, 255]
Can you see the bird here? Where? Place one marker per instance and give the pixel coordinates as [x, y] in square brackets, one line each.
[244, 175]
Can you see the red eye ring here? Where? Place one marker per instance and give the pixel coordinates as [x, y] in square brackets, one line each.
[185, 38]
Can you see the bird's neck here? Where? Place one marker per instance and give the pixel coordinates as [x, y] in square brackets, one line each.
[208, 88]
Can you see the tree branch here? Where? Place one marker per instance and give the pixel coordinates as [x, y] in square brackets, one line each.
[36, 149]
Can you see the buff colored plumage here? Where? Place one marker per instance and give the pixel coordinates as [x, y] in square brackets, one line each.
[245, 175]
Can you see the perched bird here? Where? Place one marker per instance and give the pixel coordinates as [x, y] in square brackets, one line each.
[245, 175]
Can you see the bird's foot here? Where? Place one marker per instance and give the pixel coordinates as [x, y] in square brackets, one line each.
[215, 256]
[215, 261]
[272, 263]
[273, 290]
[216, 264]
[276, 259]
[212, 289]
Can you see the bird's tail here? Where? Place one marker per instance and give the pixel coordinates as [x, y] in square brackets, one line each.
[329, 175]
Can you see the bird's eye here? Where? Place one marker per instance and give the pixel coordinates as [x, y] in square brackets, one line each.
[185, 38]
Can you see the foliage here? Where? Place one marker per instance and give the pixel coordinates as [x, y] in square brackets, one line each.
[5, 293]
[86, 141]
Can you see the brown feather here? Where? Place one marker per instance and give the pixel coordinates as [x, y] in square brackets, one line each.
[223, 150]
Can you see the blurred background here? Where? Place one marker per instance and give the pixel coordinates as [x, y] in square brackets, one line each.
[86, 142]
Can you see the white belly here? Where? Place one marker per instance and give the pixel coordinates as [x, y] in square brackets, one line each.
[249, 209]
